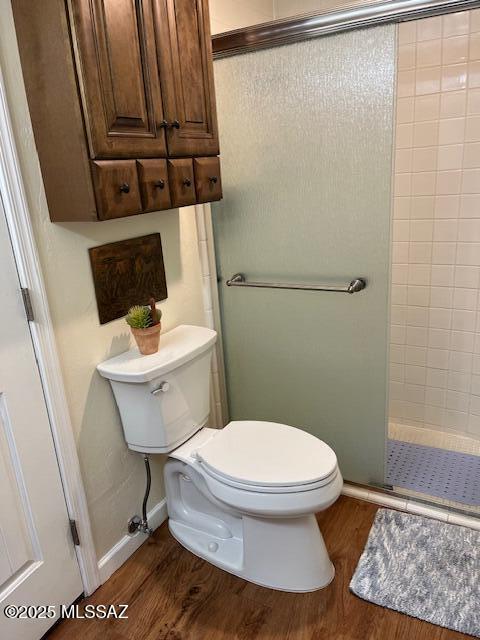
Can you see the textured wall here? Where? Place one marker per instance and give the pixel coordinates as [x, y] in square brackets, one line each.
[435, 332]
[113, 476]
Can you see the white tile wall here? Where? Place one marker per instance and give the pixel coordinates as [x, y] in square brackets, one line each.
[435, 317]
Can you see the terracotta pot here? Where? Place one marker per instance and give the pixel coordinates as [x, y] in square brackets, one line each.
[147, 339]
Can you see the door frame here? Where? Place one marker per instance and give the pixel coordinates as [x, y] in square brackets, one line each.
[17, 214]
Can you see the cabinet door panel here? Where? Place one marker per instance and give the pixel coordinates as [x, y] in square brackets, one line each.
[119, 77]
[185, 60]
[208, 182]
[116, 188]
[182, 184]
[154, 184]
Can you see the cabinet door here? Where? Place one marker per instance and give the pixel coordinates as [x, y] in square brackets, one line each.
[154, 184]
[186, 67]
[118, 75]
[116, 188]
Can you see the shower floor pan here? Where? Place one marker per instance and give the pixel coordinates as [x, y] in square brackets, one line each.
[449, 475]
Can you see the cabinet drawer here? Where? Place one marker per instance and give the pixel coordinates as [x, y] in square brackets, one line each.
[208, 182]
[116, 188]
[182, 183]
[154, 184]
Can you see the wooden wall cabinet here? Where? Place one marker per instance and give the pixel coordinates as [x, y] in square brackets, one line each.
[122, 100]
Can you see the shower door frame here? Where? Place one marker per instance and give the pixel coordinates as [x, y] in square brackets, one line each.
[313, 25]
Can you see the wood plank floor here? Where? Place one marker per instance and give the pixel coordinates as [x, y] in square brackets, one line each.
[174, 595]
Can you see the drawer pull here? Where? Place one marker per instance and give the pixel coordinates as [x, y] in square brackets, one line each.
[159, 184]
[125, 187]
[175, 124]
[187, 182]
[213, 179]
[163, 124]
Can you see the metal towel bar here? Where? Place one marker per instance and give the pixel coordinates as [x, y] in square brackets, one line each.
[238, 280]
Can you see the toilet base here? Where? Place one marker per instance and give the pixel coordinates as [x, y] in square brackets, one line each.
[287, 554]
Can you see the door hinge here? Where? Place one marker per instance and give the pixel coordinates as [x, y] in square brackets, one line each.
[27, 303]
[74, 532]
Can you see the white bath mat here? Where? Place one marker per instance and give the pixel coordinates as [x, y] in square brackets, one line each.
[425, 568]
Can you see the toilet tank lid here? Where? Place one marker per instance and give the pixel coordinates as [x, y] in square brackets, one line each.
[178, 346]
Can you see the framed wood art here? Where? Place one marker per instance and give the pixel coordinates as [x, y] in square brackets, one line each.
[126, 273]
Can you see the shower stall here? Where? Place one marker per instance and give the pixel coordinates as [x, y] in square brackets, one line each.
[434, 399]
[357, 156]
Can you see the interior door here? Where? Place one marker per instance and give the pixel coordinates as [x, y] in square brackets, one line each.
[306, 162]
[38, 564]
[185, 58]
[121, 86]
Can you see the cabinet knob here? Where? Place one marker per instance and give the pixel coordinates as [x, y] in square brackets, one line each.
[125, 187]
[213, 179]
[164, 124]
[187, 182]
[159, 184]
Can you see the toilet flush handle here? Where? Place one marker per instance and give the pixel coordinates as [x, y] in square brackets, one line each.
[162, 388]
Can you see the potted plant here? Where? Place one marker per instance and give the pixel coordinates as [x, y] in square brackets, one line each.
[144, 321]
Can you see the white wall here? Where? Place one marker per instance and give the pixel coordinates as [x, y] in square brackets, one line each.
[288, 8]
[113, 476]
[226, 15]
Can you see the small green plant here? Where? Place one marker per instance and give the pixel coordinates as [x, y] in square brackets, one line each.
[139, 317]
[142, 317]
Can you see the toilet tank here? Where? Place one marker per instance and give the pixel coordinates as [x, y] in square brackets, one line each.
[163, 398]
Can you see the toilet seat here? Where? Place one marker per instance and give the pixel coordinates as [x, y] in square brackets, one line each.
[269, 489]
[267, 457]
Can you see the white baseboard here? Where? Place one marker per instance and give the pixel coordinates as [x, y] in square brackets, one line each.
[410, 506]
[126, 546]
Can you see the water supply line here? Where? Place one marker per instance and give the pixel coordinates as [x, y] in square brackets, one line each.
[145, 528]
[141, 524]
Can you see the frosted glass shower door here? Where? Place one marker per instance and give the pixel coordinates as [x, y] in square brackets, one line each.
[306, 141]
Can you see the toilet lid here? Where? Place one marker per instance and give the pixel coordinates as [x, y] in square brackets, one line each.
[267, 454]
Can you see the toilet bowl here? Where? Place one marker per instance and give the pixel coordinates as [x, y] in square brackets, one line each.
[242, 497]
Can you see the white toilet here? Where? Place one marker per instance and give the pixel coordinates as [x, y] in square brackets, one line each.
[242, 497]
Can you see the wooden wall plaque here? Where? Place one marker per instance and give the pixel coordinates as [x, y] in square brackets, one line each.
[126, 273]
